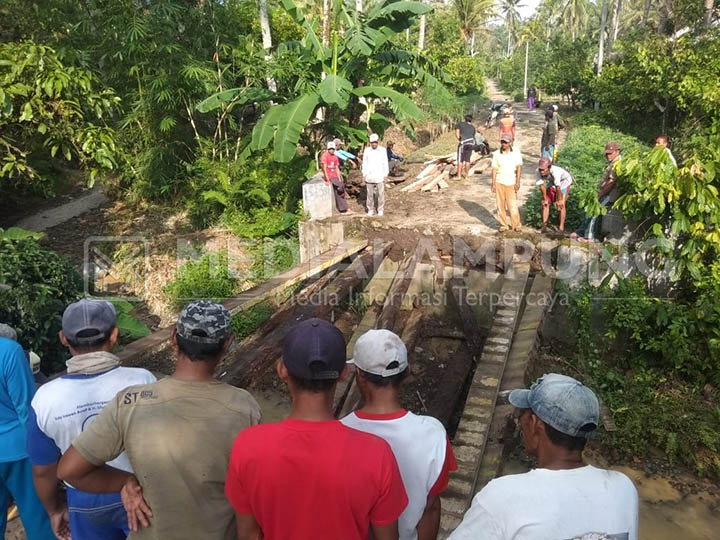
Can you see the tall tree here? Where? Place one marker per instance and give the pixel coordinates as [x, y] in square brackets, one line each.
[472, 14]
[601, 45]
[575, 17]
[511, 16]
[266, 37]
[709, 5]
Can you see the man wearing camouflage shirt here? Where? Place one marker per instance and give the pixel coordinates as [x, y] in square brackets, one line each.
[177, 433]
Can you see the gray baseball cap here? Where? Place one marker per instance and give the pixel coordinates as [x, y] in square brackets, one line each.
[561, 402]
[204, 321]
[91, 317]
[8, 332]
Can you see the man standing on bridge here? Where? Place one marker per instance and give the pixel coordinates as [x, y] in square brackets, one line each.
[177, 433]
[465, 134]
[563, 497]
[506, 170]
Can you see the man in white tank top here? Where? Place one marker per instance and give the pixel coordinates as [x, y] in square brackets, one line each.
[420, 444]
[563, 499]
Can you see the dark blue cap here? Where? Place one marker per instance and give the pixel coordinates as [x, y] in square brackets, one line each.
[314, 350]
[92, 318]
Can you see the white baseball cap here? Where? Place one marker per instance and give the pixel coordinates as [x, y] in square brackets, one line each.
[374, 137]
[331, 144]
[380, 352]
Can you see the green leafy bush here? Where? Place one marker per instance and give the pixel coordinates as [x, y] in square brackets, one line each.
[466, 74]
[649, 359]
[50, 109]
[36, 284]
[246, 322]
[128, 326]
[208, 277]
[583, 156]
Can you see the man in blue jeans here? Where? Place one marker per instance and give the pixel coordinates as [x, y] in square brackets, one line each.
[16, 390]
[66, 406]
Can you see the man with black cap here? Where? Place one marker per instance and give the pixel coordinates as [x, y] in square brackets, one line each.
[64, 407]
[177, 433]
[420, 444]
[563, 498]
[310, 476]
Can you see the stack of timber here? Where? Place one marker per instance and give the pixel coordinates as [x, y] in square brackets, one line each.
[437, 172]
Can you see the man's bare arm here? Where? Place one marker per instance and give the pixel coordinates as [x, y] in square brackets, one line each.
[85, 476]
[247, 527]
[429, 524]
[46, 486]
[606, 188]
[385, 532]
[457, 134]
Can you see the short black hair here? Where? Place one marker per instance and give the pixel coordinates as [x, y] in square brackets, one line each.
[379, 380]
[96, 341]
[198, 352]
[568, 442]
[315, 386]
[468, 117]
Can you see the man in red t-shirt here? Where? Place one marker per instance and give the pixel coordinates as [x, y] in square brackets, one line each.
[311, 477]
[331, 170]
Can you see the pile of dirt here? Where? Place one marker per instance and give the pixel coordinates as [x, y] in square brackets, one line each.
[403, 145]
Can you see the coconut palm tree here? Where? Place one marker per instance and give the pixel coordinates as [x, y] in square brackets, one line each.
[575, 16]
[511, 15]
[472, 14]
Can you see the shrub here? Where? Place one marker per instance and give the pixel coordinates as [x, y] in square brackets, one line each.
[40, 284]
[649, 361]
[246, 322]
[466, 74]
[583, 155]
[209, 277]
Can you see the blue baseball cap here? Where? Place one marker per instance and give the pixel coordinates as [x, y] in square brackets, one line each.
[92, 318]
[315, 350]
[561, 402]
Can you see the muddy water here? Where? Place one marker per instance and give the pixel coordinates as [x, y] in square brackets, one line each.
[665, 513]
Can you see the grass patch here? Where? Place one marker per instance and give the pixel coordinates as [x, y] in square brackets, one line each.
[248, 321]
[208, 277]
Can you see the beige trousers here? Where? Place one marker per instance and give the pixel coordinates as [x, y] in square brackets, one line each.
[372, 190]
[507, 198]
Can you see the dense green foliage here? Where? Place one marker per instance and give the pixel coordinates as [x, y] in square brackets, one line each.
[649, 361]
[36, 284]
[51, 110]
[583, 156]
[208, 277]
[248, 321]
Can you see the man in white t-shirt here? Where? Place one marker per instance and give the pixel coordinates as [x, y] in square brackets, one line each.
[506, 168]
[64, 407]
[420, 444]
[563, 499]
[375, 170]
[554, 183]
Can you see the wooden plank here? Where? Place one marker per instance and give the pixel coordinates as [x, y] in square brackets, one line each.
[254, 295]
[474, 334]
[443, 184]
[386, 319]
[416, 184]
[250, 362]
[434, 182]
[480, 166]
[426, 171]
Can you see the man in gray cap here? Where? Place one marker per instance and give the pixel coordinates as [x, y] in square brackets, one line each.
[64, 407]
[177, 433]
[563, 498]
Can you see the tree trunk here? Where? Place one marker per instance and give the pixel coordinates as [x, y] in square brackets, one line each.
[472, 45]
[614, 25]
[709, 4]
[327, 8]
[601, 47]
[358, 6]
[266, 38]
[421, 33]
[646, 13]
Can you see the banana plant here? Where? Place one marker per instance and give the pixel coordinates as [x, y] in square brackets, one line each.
[354, 66]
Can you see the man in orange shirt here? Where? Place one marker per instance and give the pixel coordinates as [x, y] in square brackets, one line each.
[507, 124]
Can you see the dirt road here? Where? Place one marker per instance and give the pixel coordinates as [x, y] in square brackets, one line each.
[468, 206]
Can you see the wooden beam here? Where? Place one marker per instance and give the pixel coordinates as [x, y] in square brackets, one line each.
[253, 296]
[250, 362]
